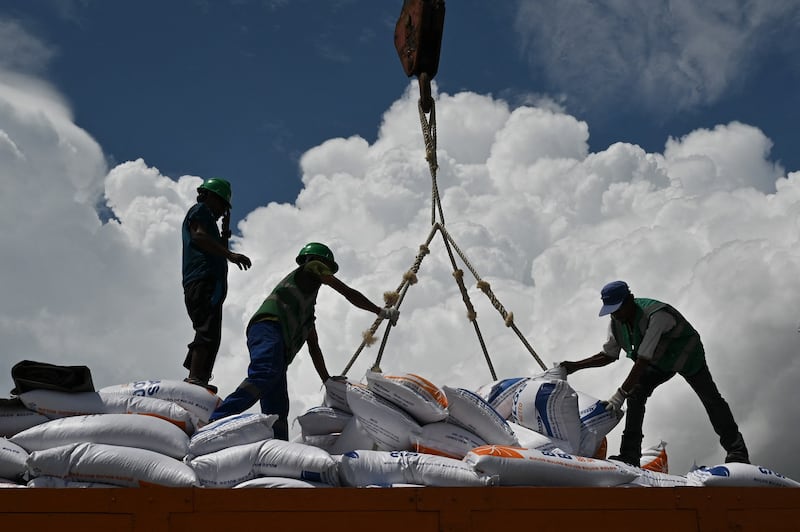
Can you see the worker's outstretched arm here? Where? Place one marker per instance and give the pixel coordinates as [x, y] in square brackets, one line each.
[355, 297]
[316, 355]
[595, 361]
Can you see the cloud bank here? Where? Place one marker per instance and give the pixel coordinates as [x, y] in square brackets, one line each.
[709, 225]
[681, 53]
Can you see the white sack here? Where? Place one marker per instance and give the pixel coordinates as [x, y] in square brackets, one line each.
[227, 467]
[469, 410]
[595, 423]
[445, 439]
[56, 405]
[530, 439]
[278, 458]
[420, 398]
[198, 401]
[549, 407]
[323, 420]
[55, 482]
[280, 482]
[651, 479]
[232, 431]
[386, 423]
[12, 460]
[112, 464]
[15, 418]
[529, 467]
[500, 394]
[127, 430]
[739, 475]
[352, 438]
[325, 442]
[336, 395]
[381, 468]
[271, 458]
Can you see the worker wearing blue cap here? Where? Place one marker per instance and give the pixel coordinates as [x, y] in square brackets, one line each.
[661, 343]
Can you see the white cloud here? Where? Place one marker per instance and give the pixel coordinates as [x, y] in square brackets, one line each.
[680, 53]
[709, 225]
[21, 51]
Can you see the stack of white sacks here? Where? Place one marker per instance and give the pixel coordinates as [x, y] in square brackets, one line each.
[391, 430]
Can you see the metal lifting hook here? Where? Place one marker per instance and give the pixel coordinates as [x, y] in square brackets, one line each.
[418, 40]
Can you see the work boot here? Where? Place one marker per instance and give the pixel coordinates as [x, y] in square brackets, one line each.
[630, 460]
[737, 451]
[198, 382]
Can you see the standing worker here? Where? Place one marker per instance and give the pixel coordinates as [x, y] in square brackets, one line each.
[205, 275]
[661, 343]
[280, 327]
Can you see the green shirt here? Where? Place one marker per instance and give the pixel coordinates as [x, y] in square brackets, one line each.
[292, 303]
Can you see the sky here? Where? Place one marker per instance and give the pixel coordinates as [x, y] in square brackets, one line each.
[578, 143]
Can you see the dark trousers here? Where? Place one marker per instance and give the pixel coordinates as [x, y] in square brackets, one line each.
[719, 413]
[266, 378]
[204, 306]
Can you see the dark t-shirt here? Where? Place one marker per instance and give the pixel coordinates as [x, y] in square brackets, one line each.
[197, 264]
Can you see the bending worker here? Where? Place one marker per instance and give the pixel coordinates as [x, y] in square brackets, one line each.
[280, 327]
[205, 275]
[661, 343]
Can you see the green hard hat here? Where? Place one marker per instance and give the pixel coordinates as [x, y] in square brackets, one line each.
[321, 251]
[218, 186]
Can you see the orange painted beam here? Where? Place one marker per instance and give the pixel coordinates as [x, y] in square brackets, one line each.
[403, 509]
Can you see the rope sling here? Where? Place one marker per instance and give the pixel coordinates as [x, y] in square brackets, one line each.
[395, 299]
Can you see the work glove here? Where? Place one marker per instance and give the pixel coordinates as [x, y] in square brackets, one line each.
[389, 313]
[614, 404]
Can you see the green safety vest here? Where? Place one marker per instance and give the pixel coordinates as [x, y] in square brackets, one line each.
[292, 303]
[678, 351]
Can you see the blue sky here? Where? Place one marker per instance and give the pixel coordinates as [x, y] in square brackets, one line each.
[240, 89]
[578, 143]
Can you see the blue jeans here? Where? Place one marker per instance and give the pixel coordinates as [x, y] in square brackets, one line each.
[266, 378]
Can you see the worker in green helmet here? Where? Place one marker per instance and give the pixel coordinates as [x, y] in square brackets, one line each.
[280, 327]
[205, 275]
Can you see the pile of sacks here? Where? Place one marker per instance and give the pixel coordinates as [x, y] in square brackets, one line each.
[391, 430]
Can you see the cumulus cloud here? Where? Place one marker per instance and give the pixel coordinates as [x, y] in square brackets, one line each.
[680, 53]
[710, 225]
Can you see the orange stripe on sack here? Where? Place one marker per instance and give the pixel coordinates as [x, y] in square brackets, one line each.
[498, 450]
[180, 424]
[659, 464]
[432, 389]
[430, 450]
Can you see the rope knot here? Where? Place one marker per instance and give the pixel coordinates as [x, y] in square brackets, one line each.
[390, 298]
[509, 319]
[369, 338]
[410, 277]
[484, 286]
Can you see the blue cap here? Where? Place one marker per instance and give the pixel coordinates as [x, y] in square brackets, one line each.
[613, 295]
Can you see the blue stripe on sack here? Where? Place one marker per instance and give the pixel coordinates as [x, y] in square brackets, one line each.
[499, 388]
[596, 411]
[719, 471]
[478, 400]
[542, 396]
